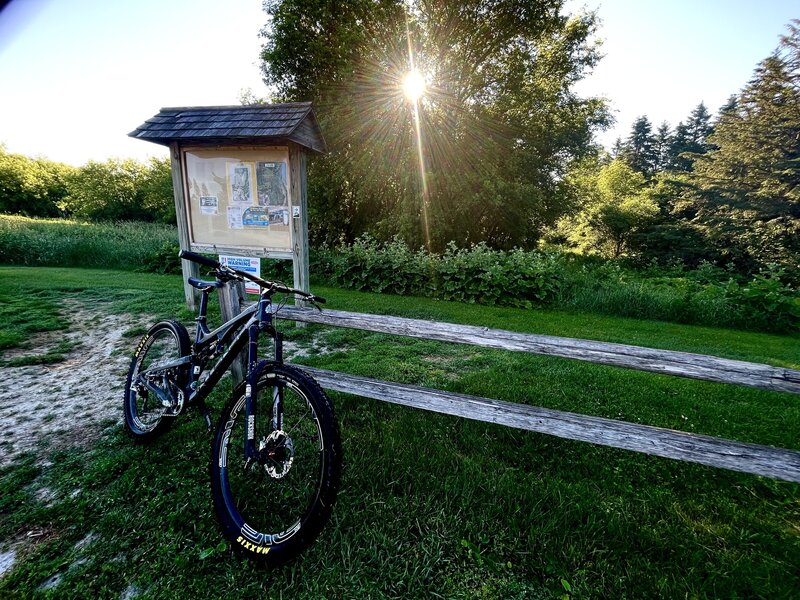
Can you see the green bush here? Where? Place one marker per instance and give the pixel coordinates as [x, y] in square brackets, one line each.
[475, 275]
[766, 300]
[707, 295]
[164, 260]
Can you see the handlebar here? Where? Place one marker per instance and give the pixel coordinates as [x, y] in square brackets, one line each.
[225, 272]
[199, 259]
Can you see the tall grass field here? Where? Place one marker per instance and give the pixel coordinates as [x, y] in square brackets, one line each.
[68, 243]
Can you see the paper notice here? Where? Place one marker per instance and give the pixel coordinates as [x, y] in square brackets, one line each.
[235, 217]
[209, 205]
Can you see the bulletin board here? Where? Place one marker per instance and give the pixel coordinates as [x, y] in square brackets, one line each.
[239, 200]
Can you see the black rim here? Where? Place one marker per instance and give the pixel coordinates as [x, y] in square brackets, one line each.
[145, 408]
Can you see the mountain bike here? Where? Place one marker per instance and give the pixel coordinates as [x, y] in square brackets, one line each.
[276, 456]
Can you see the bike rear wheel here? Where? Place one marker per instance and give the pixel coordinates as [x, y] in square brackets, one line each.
[144, 411]
[272, 508]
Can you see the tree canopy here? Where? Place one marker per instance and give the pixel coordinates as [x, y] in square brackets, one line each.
[749, 185]
[498, 126]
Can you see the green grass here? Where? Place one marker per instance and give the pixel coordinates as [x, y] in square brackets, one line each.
[433, 505]
[68, 243]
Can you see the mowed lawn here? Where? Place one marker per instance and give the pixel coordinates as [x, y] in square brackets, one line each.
[430, 505]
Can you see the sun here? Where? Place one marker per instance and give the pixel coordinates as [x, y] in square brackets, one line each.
[413, 85]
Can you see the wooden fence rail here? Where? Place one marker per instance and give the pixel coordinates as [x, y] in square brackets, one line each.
[767, 461]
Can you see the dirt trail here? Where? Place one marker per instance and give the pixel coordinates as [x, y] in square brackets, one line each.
[70, 402]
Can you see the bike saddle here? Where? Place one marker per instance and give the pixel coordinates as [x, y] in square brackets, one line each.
[201, 284]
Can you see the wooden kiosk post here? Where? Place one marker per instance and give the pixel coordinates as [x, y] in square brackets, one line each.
[239, 179]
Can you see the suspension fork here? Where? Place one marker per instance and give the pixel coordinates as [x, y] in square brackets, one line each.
[262, 323]
[251, 392]
[277, 391]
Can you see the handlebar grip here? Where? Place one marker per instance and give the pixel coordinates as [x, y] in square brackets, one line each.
[186, 255]
[318, 299]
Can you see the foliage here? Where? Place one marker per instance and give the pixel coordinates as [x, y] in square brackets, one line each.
[32, 187]
[164, 260]
[640, 151]
[499, 124]
[475, 275]
[614, 208]
[748, 188]
[690, 140]
[707, 295]
[122, 190]
[766, 298]
[68, 243]
[100, 191]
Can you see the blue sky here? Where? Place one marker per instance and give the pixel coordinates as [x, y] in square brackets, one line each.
[663, 57]
[77, 75]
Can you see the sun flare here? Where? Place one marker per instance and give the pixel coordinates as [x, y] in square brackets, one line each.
[413, 85]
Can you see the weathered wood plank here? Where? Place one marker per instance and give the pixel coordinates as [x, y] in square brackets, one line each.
[188, 268]
[667, 362]
[299, 201]
[232, 299]
[766, 461]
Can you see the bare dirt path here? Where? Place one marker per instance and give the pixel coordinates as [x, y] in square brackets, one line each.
[70, 402]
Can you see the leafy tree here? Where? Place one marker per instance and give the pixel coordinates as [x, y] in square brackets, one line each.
[616, 208]
[31, 186]
[673, 235]
[748, 188]
[156, 191]
[121, 190]
[499, 124]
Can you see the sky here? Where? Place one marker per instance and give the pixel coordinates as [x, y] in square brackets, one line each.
[664, 57]
[76, 76]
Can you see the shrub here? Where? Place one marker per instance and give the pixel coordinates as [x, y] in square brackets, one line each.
[766, 300]
[164, 260]
[707, 295]
[476, 275]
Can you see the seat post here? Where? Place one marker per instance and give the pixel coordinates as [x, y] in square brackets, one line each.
[202, 325]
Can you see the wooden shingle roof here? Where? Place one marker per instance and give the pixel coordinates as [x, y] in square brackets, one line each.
[258, 123]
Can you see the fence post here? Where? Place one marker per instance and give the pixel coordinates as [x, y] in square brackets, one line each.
[231, 302]
[188, 268]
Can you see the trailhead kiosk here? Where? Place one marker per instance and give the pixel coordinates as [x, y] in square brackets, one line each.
[239, 177]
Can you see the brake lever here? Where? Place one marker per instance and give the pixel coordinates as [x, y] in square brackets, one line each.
[226, 274]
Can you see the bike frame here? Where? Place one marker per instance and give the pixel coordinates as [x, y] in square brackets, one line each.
[242, 330]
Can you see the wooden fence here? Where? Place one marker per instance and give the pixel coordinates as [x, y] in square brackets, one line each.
[767, 461]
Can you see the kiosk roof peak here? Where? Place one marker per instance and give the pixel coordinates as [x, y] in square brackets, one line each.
[250, 124]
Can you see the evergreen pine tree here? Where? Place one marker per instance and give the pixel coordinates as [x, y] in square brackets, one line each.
[618, 148]
[699, 127]
[640, 147]
[690, 139]
[750, 185]
[663, 141]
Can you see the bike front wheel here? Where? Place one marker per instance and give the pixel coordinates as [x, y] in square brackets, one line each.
[274, 507]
